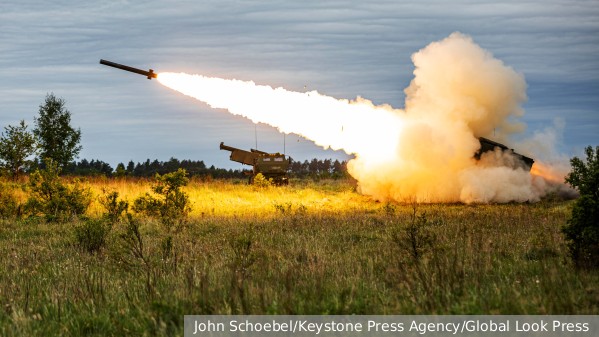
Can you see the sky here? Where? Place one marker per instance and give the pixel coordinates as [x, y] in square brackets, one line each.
[342, 49]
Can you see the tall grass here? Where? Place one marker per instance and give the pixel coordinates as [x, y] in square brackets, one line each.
[308, 248]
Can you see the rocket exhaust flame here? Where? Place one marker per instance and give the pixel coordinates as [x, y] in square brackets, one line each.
[423, 152]
[550, 173]
[354, 127]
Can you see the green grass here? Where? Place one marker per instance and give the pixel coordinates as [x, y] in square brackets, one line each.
[310, 248]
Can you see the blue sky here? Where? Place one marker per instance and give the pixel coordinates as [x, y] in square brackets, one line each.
[340, 48]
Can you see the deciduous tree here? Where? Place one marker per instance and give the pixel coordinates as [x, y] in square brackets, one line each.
[16, 145]
[582, 230]
[57, 139]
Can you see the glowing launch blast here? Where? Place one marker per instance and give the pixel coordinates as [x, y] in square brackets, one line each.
[423, 152]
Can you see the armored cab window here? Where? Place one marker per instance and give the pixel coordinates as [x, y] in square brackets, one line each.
[266, 159]
[279, 159]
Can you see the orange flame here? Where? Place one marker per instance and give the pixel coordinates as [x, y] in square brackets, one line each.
[546, 172]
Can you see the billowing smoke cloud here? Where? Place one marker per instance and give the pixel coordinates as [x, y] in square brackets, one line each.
[424, 152]
[459, 92]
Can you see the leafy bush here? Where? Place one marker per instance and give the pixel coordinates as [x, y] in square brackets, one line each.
[9, 205]
[260, 181]
[91, 236]
[51, 197]
[115, 208]
[582, 230]
[170, 204]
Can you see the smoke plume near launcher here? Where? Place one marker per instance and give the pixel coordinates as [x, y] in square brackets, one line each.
[423, 152]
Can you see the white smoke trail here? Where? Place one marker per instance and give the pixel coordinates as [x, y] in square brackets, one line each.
[425, 152]
[329, 122]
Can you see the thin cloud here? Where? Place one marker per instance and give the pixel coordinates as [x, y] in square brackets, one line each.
[337, 48]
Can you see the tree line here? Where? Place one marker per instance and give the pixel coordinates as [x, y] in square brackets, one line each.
[321, 168]
[53, 140]
[147, 168]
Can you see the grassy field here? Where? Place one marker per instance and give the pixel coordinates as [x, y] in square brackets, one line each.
[309, 248]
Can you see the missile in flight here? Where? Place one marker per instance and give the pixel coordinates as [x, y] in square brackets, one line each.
[149, 74]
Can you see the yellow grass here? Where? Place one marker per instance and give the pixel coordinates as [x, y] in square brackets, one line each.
[223, 198]
[307, 248]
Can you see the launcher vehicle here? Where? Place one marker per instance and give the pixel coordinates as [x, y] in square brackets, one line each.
[489, 145]
[271, 165]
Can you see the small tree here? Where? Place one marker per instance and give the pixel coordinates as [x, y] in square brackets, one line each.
[115, 208]
[582, 230]
[57, 139]
[172, 204]
[15, 146]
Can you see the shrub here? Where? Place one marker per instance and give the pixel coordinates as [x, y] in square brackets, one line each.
[170, 204]
[51, 197]
[132, 253]
[260, 181]
[115, 208]
[131, 240]
[91, 236]
[417, 238]
[582, 229]
[389, 209]
[9, 206]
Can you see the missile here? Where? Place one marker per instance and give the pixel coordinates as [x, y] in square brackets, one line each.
[150, 73]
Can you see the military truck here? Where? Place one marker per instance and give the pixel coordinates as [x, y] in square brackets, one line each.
[271, 165]
[489, 145]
